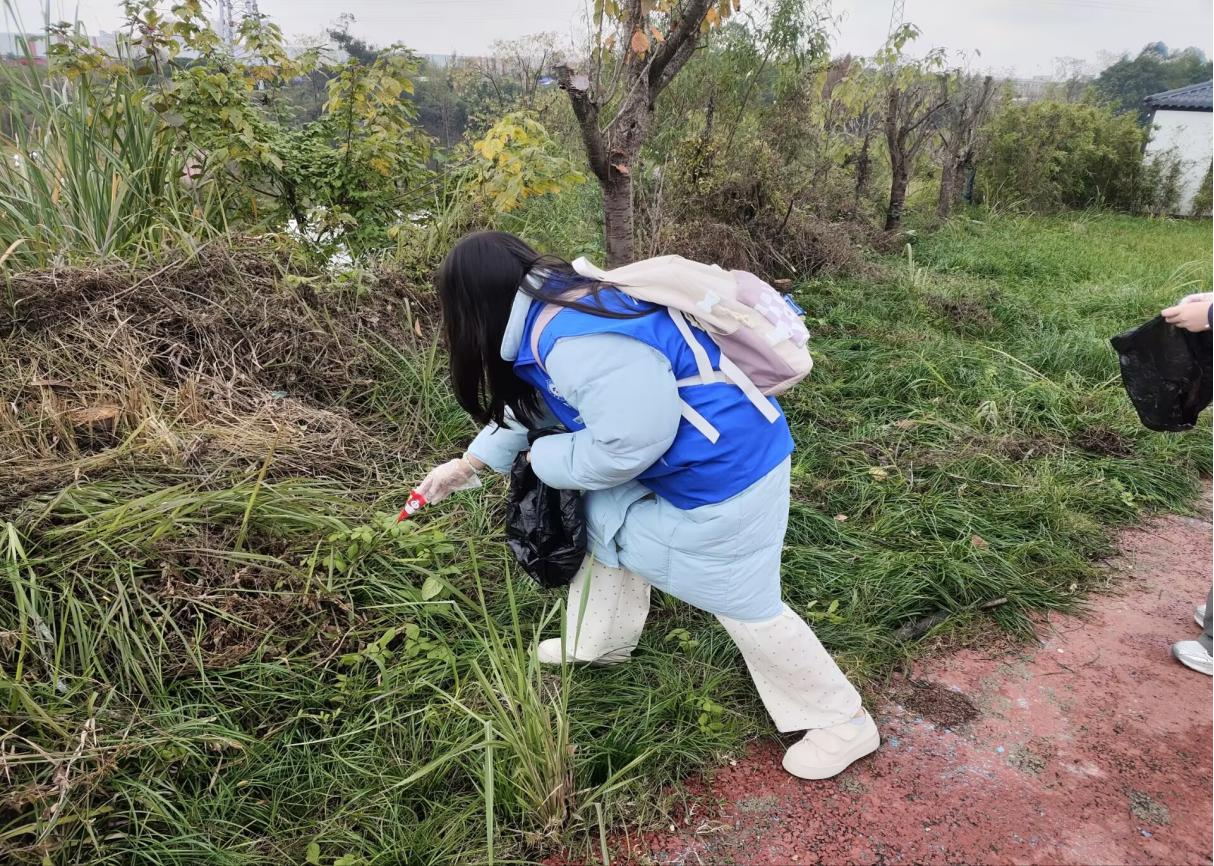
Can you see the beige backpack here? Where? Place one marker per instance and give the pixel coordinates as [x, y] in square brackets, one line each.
[763, 340]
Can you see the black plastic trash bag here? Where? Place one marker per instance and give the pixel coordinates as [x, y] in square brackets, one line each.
[1167, 373]
[545, 527]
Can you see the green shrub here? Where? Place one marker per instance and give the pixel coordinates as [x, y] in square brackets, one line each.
[1158, 191]
[732, 198]
[1052, 155]
[1202, 201]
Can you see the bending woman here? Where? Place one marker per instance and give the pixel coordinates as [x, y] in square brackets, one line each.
[534, 344]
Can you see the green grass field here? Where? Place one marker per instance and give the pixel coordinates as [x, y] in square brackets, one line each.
[239, 660]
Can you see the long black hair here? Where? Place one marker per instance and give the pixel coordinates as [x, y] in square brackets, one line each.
[477, 283]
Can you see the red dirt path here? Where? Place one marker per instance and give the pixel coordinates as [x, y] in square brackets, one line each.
[1091, 747]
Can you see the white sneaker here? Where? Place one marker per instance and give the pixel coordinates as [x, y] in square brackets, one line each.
[826, 752]
[1192, 654]
[1199, 615]
[548, 652]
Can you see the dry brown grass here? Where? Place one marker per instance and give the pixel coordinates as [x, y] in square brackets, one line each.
[203, 363]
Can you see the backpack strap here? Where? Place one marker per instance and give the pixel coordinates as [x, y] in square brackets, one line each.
[703, 365]
[734, 373]
[698, 421]
[545, 316]
[689, 413]
[730, 372]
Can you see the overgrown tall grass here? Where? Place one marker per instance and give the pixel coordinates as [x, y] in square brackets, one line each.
[245, 661]
[88, 171]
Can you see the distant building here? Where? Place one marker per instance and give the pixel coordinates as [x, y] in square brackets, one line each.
[15, 46]
[1047, 87]
[1183, 122]
[440, 61]
[1030, 89]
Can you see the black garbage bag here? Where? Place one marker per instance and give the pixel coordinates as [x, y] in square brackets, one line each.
[1167, 373]
[545, 527]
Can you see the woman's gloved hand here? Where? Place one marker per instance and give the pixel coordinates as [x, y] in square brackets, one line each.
[458, 474]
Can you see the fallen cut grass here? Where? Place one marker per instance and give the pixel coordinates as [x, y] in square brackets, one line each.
[217, 647]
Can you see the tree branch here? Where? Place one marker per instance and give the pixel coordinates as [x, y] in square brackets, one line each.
[626, 103]
[672, 68]
[928, 115]
[586, 110]
[891, 122]
[680, 42]
[635, 20]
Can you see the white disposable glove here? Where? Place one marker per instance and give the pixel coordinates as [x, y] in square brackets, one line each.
[1206, 297]
[444, 480]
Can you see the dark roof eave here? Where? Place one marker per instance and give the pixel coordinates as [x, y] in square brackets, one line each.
[1155, 107]
[1191, 97]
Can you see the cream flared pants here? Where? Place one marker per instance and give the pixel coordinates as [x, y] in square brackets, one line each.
[798, 681]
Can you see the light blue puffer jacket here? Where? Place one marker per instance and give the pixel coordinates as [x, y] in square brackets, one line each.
[724, 557]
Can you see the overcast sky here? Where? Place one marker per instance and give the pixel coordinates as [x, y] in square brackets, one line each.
[1022, 37]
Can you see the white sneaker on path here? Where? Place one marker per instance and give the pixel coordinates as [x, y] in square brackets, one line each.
[826, 752]
[1192, 654]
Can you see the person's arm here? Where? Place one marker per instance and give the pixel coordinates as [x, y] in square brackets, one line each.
[625, 392]
[496, 446]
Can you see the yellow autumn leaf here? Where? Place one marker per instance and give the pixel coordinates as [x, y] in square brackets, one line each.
[489, 148]
[639, 43]
[657, 34]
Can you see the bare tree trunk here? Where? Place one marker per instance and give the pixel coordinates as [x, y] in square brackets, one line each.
[617, 219]
[864, 170]
[908, 116]
[959, 138]
[895, 139]
[949, 185]
[958, 184]
[612, 148]
[897, 196]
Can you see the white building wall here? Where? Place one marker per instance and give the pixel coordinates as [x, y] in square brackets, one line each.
[1189, 135]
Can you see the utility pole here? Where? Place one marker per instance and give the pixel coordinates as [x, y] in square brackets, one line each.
[896, 15]
[227, 23]
[228, 28]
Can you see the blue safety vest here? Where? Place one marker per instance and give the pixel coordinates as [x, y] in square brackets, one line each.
[694, 471]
